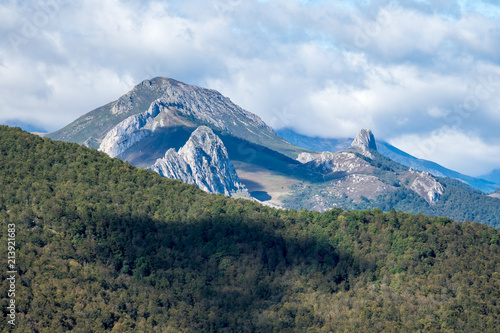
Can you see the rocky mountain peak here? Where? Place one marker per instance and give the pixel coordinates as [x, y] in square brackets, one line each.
[205, 138]
[202, 161]
[163, 102]
[143, 93]
[365, 139]
[364, 142]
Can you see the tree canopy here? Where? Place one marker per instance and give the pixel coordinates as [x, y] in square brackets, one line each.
[104, 246]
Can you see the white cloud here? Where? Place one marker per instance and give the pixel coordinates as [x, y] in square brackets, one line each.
[436, 112]
[463, 152]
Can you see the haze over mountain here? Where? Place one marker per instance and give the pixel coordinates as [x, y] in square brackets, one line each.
[493, 176]
[156, 124]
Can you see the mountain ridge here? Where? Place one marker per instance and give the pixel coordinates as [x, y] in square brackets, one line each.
[355, 163]
[386, 149]
[194, 104]
[272, 169]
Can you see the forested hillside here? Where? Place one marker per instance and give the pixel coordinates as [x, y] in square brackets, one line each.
[104, 246]
[459, 201]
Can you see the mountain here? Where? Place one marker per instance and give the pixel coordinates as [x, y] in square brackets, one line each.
[354, 176]
[203, 161]
[359, 177]
[34, 128]
[314, 143]
[152, 126]
[154, 107]
[482, 184]
[493, 176]
[485, 184]
[103, 246]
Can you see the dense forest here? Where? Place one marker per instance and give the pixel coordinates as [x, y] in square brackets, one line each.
[104, 246]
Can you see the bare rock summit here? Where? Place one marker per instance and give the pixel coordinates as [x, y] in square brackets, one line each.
[202, 161]
[364, 142]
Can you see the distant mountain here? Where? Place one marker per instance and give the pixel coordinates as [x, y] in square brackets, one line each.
[487, 185]
[399, 156]
[154, 106]
[25, 126]
[493, 176]
[198, 136]
[314, 143]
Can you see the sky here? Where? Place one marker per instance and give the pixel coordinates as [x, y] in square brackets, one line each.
[422, 75]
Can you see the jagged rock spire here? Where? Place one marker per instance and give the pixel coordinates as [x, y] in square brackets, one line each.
[365, 139]
[364, 142]
[203, 161]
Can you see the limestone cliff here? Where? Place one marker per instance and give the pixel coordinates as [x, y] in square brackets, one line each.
[203, 161]
[130, 131]
[425, 185]
[364, 143]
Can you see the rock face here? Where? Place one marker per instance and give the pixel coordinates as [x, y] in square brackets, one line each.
[426, 186]
[305, 158]
[91, 143]
[355, 177]
[364, 142]
[343, 161]
[194, 105]
[130, 131]
[203, 161]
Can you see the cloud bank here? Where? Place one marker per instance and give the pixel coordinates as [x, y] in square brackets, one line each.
[423, 75]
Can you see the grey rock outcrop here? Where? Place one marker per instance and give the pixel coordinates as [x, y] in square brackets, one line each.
[203, 161]
[344, 161]
[91, 143]
[305, 158]
[426, 186]
[130, 131]
[364, 142]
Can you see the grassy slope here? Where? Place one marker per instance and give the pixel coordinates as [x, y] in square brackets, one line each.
[103, 246]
